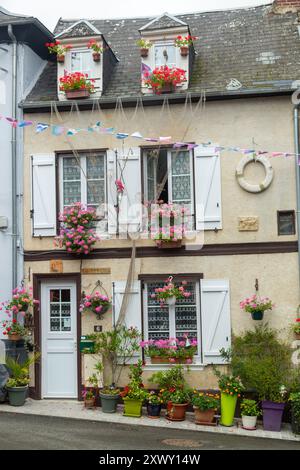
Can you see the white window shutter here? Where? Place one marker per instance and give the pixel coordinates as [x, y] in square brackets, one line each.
[216, 324]
[111, 192]
[43, 173]
[129, 172]
[207, 189]
[133, 314]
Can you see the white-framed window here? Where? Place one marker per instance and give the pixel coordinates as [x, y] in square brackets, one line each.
[169, 177]
[165, 54]
[184, 318]
[81, 61]
[82, 179]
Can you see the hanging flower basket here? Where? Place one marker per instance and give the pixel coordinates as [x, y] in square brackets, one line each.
[97, 303]
[256, 306]
[170, 291]
[96, 56]
[60, 58]
[257, 316]
[184, 51]
[171, 301]
[59, 49]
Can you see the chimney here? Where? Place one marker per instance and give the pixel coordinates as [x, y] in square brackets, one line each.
[286, 6]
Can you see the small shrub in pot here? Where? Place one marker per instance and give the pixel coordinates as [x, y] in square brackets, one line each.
[249, 412]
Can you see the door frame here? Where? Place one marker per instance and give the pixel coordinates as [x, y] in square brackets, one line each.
[36, 391]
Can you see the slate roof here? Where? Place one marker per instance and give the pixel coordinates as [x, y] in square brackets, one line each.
[258, 48]
[7, 17]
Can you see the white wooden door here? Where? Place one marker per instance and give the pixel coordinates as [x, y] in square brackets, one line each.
[59, 340]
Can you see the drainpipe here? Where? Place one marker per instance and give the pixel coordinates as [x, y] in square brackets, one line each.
[297, 150]
[14, 212]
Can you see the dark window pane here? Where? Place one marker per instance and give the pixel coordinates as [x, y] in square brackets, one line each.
[54, 295]
[65, 295]
[286, 223]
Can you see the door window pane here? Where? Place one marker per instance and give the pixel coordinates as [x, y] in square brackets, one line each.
[60, 310]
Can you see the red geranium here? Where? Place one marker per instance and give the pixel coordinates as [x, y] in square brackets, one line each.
[164, 75]
[185, 41]
[57, 48]
[76, 81]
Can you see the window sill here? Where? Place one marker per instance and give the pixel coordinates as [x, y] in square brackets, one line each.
[157, 367]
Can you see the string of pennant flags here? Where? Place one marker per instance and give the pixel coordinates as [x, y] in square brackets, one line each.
[58, 130]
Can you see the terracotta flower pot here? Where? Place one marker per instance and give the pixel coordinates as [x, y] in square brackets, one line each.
[96, 56]
[184, 51]
[168, 245]
[165, 89]
[176, 412]
[60, 59]
[77, 94]
[297, 335]
[203, 416]
[144, 52]
[14, 337]
[90, 403]
[159, 360]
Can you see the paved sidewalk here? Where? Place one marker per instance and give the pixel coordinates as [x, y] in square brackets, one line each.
[75, 410]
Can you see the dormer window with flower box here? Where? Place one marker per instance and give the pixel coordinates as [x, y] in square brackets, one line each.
[84, 61]
[167, 55]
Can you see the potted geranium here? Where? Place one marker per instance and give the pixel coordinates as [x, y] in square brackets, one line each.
[249, 413]
[134, 393]
[231, 388]
[17, 384]
[22, 301]
[184, 42]
[144, 46]
[173, 350]
[77, 85]
[97, 303]
[177, 400]
[295, 405]
[59, 49]
[205, 406]
[164, 79]
[256, 306]
[170, 292]
[296, 328]
[96, 48]
[13, 330]
[77, 234]
[89, 398]
[154, 402]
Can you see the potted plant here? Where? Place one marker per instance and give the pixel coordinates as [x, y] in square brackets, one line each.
[89, 398]
[273, 408]
[231, 388]
[295, 405]
[170, 292]
[97, 303]
[59, 49]
[256, 306]
[296, 328]
[168, 225]
[17, 384]
[116, 348]
[21, 302]
[144, 46]
[173, 350]
[13, 330]
[96, 48]
[164, 79]
[77, 233]
[77, 85]
[205, 406]
[249, 413]
[177, 400]
[154, 402]
[184, 42]
[134, 393]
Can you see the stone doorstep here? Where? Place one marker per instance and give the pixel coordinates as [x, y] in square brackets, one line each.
[71, 409]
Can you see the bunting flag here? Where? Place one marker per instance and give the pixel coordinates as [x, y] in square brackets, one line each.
[58, 130]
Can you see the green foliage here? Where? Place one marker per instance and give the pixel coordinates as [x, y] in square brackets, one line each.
[205, 401]
[154, 399]
[180, 396]
[249, 408]
[262, 361]
[173, 377]
[230, 384]
[295, 401]
[135, 389]
[19, 372]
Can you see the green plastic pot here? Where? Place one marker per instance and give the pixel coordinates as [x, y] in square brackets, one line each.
[133, 408]
[17, 395]
[109, 402]
[228, 405]
[258, 316]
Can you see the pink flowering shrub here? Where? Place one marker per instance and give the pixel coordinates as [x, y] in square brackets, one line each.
[22, 300]
[171, 349]
[256, 304]
[76, 232]
[168, 222]
[96, 303]
[170, 290]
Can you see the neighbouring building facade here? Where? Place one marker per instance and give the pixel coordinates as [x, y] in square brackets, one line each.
[240, 76]
[22, 59]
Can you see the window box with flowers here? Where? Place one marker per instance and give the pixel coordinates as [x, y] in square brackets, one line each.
[170, 351]
[256, 306]
[58, 49]
[168, 225]
[144, 47]
[164, 79]
[184, 43]
[96, 48]
[77, 85]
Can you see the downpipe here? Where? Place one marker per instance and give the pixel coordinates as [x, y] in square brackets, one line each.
[14, 213]
[297, 169]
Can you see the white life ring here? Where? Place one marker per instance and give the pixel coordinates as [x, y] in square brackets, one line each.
[254, 188]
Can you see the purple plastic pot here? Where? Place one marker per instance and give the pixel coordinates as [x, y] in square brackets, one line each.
[272, 415]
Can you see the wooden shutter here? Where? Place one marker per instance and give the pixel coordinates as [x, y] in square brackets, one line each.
[215, 314]
[207, 189]
[43, 198]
